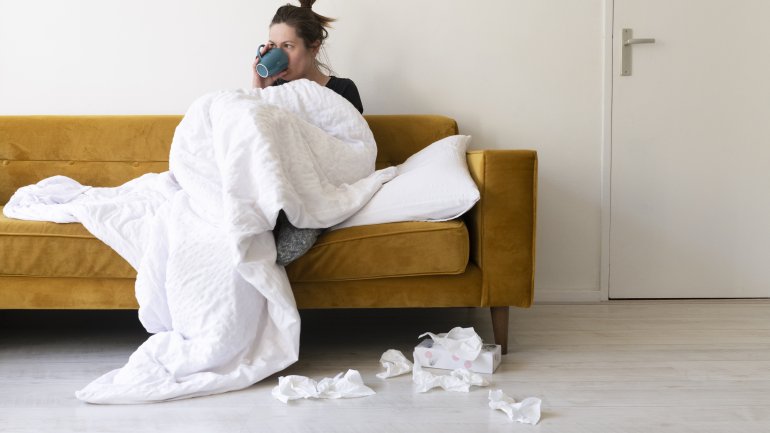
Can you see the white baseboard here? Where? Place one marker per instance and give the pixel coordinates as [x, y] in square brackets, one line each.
[545, 296]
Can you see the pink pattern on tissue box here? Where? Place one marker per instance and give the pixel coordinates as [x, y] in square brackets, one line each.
[429, 354]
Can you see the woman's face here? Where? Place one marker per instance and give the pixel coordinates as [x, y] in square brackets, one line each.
[301, 58]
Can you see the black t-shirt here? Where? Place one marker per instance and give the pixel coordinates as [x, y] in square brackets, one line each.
[343, 86]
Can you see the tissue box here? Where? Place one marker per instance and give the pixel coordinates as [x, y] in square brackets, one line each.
[435, 356]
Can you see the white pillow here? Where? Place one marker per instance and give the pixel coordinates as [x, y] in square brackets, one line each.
[432, 185]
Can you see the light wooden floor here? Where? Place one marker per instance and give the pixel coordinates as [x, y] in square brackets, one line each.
[636, 366]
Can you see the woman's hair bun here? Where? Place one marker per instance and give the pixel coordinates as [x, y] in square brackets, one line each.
[306, 3]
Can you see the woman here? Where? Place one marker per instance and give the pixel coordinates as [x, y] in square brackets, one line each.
[300, 33]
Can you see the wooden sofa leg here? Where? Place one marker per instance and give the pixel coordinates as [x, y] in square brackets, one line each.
[500, 326]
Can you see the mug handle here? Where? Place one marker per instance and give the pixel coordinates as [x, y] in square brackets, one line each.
[259, 52]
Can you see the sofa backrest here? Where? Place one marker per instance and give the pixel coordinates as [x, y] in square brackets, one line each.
[110, 150]
[399, 136]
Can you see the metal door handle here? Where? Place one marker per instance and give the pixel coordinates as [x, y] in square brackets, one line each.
[638, 41]
[625, 54]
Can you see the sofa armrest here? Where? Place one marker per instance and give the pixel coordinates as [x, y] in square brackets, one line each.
[502, 224]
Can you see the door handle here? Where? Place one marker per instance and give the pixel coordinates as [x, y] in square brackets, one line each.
[638, 41]
[625, 52]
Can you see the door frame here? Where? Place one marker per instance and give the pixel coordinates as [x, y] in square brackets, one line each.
[606, 163]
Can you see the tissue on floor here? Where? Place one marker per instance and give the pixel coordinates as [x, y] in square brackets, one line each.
[527, 411]
[295, 387]
[459, 380]
[430, 354]
[395, 364]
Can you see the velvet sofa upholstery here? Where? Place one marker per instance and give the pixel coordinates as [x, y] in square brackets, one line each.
[484, 259]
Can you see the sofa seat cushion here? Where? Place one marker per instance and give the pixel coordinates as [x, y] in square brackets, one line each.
[42, 249]
[385, 250]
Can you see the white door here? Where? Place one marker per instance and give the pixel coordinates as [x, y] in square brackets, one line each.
[690, 174]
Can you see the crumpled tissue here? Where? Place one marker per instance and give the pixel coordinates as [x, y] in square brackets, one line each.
[459, 380]
[464, 343]
[395, 364]
[526, 411]
[295, 387]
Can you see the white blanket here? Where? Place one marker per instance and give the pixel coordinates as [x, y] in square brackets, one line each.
[221, 311]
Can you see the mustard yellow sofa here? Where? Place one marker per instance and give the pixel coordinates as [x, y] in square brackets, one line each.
[484, 259]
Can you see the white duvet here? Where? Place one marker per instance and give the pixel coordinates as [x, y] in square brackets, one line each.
[221, 311]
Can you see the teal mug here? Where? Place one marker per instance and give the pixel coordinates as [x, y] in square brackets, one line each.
[272, 62]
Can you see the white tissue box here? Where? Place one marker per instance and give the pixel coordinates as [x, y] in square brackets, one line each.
[435, 356]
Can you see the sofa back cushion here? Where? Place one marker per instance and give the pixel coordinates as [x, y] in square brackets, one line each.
[110, 150]
[400, 136]
[94, 150]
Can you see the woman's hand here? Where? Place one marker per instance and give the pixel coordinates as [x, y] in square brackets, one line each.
[256, 80]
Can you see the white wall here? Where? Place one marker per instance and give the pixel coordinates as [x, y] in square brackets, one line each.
[514, 73]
